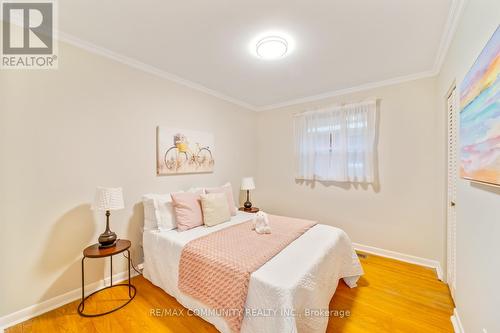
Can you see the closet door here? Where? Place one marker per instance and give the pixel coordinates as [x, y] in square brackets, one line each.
[452, 110]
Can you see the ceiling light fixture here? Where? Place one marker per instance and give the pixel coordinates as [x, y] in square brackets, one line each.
[272, 47]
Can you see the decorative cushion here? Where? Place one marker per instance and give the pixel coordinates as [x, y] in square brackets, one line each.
[187, 210]
[228, 190]
[158, 212]
[215, 209]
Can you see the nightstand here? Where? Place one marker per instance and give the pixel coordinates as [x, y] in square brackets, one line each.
[94, 251]
[251, 210]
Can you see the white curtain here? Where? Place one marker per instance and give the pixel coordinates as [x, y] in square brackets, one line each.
[336, 143]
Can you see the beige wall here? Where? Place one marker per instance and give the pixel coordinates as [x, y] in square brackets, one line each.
[401, 214]
[478, 207]
[92, 122]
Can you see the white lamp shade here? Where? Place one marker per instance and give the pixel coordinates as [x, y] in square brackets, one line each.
[247, 183]
[108, 198]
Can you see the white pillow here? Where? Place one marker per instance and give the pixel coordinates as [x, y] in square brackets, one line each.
[215, 209]
[200, 190]
[158, 212]
[228, 189]
[150, 222]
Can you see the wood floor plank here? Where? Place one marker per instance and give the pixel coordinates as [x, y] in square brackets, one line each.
[392, 297]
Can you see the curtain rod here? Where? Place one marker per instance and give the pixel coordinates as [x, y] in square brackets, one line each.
[335, 106]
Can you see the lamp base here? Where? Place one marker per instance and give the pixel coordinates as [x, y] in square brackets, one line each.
[247, 205]
[107, 246]
[107, 239]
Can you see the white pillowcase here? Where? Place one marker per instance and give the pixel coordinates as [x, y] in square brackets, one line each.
[227, 188]
[215, 209]
[158, 212]
[200, 190]
[150, 222]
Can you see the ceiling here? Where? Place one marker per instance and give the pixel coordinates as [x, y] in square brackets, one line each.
[339, 44]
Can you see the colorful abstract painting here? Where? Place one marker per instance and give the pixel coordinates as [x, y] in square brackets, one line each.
[480, 117]
[183, 151]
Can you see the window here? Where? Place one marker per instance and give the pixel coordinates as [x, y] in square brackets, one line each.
[336, 144]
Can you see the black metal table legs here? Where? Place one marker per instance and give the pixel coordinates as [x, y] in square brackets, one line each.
[81, 306]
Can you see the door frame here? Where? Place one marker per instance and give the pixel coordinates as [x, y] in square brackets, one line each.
[447, 203]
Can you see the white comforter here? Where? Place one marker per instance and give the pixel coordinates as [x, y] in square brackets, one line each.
[290, 293]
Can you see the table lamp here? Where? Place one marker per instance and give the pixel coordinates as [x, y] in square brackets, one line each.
[247, 184]
[106, 199]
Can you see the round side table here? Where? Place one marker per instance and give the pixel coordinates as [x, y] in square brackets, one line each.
[251, 210]
[94, 251]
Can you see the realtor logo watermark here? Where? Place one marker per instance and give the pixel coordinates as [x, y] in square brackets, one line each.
[28, 40]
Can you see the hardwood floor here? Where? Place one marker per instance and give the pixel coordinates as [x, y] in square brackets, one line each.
[392, 296]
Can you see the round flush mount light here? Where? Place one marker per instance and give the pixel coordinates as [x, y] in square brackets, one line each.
[271, 47]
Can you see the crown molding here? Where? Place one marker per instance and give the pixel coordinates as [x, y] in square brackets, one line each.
[450, 28]
[354, 89]
[454, 14]
[92, 48]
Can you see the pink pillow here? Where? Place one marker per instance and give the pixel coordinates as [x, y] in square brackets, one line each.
[187, 210]
[228, 190]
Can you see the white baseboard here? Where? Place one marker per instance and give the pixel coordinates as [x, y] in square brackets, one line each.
[456, 322]
[53, 303]
[402, 257]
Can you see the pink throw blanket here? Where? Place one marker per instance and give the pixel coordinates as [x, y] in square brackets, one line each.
[216, 268]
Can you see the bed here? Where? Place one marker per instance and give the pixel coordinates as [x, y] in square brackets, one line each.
[290, 293]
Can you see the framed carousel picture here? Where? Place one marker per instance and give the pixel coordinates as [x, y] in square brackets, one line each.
[181, 151]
